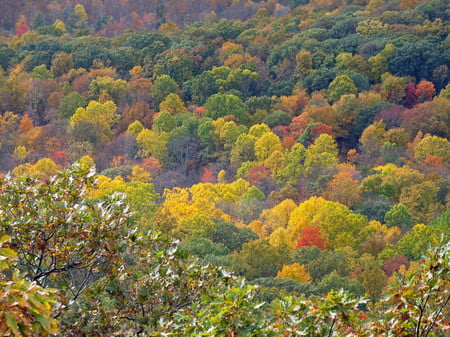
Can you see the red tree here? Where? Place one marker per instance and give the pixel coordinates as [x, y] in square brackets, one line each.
[260, 177]
[391, 117]
[281, 131]
[425, 91]
[319, 129]
[208, 176]
[311, 236]
[410, 97]
[60, 157]
[393, 265]
[21, 26]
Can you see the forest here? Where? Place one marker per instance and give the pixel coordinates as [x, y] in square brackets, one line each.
[225, 168]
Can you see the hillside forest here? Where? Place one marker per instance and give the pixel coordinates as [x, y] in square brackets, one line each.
[224, 168]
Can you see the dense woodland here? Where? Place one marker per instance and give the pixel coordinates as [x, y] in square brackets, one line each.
[156, 154]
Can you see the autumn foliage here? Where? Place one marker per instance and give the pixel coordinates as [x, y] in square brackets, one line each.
[301, 145]
[311, 236]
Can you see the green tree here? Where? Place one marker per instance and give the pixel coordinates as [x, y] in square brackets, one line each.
[371, 276]
[398, 216]
[124, 58]
[231, 236]
[379, 62]
[163, 86]
[221, 105]
[70, 103]
[243, 149]
[292, 165]
[176, 63]
[304, 62]
[164, 122]
[42, 72]
[202, 86]
[243, 80]
[259, 259]
[105, 84]
[341, 85]
[202, 247]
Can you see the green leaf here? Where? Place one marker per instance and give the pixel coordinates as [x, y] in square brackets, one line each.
[46, 323]
[11, 322]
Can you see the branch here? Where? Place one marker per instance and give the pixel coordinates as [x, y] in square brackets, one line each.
[56, 270]
[428, 330]
[82, 286]
[422, 310]
[330, 333]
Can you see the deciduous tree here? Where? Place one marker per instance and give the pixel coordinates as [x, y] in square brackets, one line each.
[295, 272]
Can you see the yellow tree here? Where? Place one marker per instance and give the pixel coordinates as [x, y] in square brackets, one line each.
[421, 201]
[61, 64]
[135, 128]
[304, 62]
[295, 272]
[322, 154]
[323, 114]
[257, 227]
[372, 277]
[340, 226]
[152, 144]
[227, 132]
[185, 204]
[393, 88]
[20, 153]
[243, 148]
[81, 15]
[278, 216]
[43, 168]
[432, 146]
[258, 130]
[198, 226]
[140, 174]
[266, 145]
[274, 162]
[392, 180]
[281, 238]
[107, 85]
[100, 115]
[173, 105]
